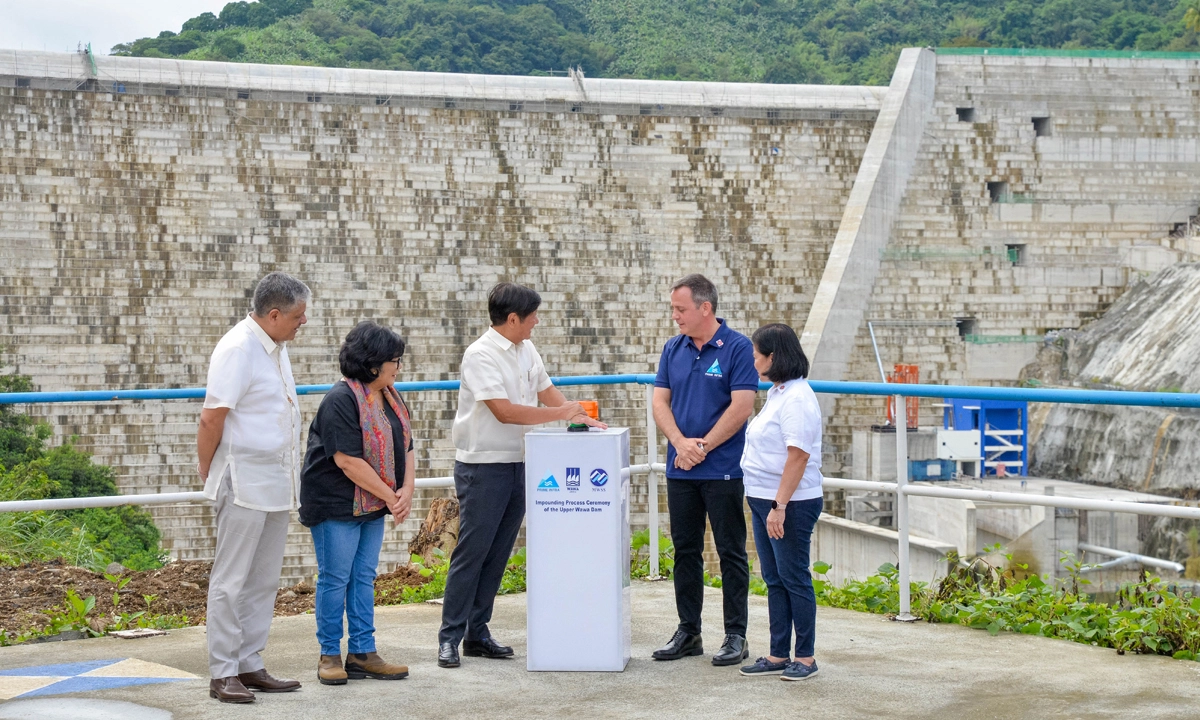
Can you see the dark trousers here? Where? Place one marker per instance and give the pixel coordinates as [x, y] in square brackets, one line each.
[784, 564]
[491, 506]
[688, 501]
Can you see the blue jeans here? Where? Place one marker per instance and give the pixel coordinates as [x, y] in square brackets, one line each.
[347, 555]
[791, 602]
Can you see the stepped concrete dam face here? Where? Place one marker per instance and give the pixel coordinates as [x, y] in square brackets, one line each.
[975, 203]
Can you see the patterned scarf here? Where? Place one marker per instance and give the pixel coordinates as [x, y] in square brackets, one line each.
[378, 447]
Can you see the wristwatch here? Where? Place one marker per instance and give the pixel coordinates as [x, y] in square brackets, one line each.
[774, 504]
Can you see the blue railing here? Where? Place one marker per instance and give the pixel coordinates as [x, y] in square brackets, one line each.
[1050, 395]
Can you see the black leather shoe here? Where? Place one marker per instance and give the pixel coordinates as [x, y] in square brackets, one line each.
[681, 645]
[733, 651]
[487, 647]
[448, 655]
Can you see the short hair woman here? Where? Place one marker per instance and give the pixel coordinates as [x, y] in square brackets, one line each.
[781, 466]
[359, 467]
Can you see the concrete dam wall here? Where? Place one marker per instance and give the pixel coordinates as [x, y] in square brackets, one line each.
[1044, 186]
[136, 214]
[976, 203]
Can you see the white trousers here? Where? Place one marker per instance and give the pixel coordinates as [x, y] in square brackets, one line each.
[243, 583]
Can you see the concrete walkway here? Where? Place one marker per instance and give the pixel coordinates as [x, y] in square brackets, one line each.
[869, 668]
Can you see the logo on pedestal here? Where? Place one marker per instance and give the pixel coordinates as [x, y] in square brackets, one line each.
[573, 479]
[548, 483]
[599, 477]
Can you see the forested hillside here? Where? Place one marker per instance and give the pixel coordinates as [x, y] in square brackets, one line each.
[782, 41]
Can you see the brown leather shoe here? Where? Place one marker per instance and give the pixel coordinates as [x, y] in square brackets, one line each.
[370, 665]
[262, 680]
[329, 670]
[229, 690]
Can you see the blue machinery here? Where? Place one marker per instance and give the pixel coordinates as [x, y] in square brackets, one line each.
[1003, 427]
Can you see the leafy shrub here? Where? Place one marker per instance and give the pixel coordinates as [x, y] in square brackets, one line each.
[1147, 617]
[89, 538]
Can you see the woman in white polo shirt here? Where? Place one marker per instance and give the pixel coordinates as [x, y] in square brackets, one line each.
[781, 466]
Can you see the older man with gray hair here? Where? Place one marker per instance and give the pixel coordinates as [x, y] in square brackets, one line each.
[249, 451]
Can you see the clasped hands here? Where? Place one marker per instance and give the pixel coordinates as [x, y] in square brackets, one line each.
[401, 506]
[689, 452]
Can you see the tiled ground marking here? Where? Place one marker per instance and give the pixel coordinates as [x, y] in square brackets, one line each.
[85, 676]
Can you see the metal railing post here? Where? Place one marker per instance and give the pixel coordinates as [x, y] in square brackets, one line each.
[652, 480]
[901, 418]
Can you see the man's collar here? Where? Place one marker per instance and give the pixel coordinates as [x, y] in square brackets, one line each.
[501, 342]
[718, 338]
[268, 344]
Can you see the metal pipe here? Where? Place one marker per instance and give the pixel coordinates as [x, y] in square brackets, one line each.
[99, 502]
[882, 375]
[903, 569]
[1076, 397]
[1159, 509]
[844, 484]
[150, 499]
[1108, 565]
[652, 479]
[1132, 557]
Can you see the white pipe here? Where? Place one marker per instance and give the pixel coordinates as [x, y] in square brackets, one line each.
[102, 501]
[844, 484]
[436, 482]
[150, 499]
[1132, 557]
[1108, 565]
[905, 614]
[652, 466]
[1178, 511]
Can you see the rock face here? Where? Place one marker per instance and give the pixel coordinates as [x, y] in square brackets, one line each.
[1149, 341]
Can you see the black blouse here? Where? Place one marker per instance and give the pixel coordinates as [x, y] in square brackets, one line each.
[325, 491]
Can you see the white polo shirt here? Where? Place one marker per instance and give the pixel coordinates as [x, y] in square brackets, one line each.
[791, 417]
[493, 368]
[251, 375]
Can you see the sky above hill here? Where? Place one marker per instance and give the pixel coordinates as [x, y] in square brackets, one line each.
[61, 25]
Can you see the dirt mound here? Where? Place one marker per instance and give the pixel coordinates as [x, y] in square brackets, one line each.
[29, 593]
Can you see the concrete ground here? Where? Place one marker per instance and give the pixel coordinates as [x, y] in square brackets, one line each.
[870, 667]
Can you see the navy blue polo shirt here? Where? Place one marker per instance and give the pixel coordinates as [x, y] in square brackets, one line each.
[700, 381]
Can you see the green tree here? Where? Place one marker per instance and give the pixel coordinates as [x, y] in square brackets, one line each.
[91, 537]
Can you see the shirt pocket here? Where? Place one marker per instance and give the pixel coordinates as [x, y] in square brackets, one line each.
[529, 384]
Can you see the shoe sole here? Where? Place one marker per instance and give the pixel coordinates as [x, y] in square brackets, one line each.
[448, 664]
[237, 701]
[334, 681]
[275, 690]
[689, 653]
[761, 674]
[811, 674]
[487, 655]
[375, 676]
[733, 661]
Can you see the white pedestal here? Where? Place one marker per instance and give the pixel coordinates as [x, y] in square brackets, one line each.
[577, 549]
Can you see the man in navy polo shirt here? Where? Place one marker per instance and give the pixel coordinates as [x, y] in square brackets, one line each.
[703, 396]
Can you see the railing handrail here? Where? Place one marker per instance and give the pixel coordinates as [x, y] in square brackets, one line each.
[839, 387]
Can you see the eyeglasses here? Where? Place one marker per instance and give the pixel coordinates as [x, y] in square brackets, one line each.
[398, 362]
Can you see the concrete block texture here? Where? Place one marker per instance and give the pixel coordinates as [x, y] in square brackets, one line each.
[1026, 233]
[134, 226]
[871, 213]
